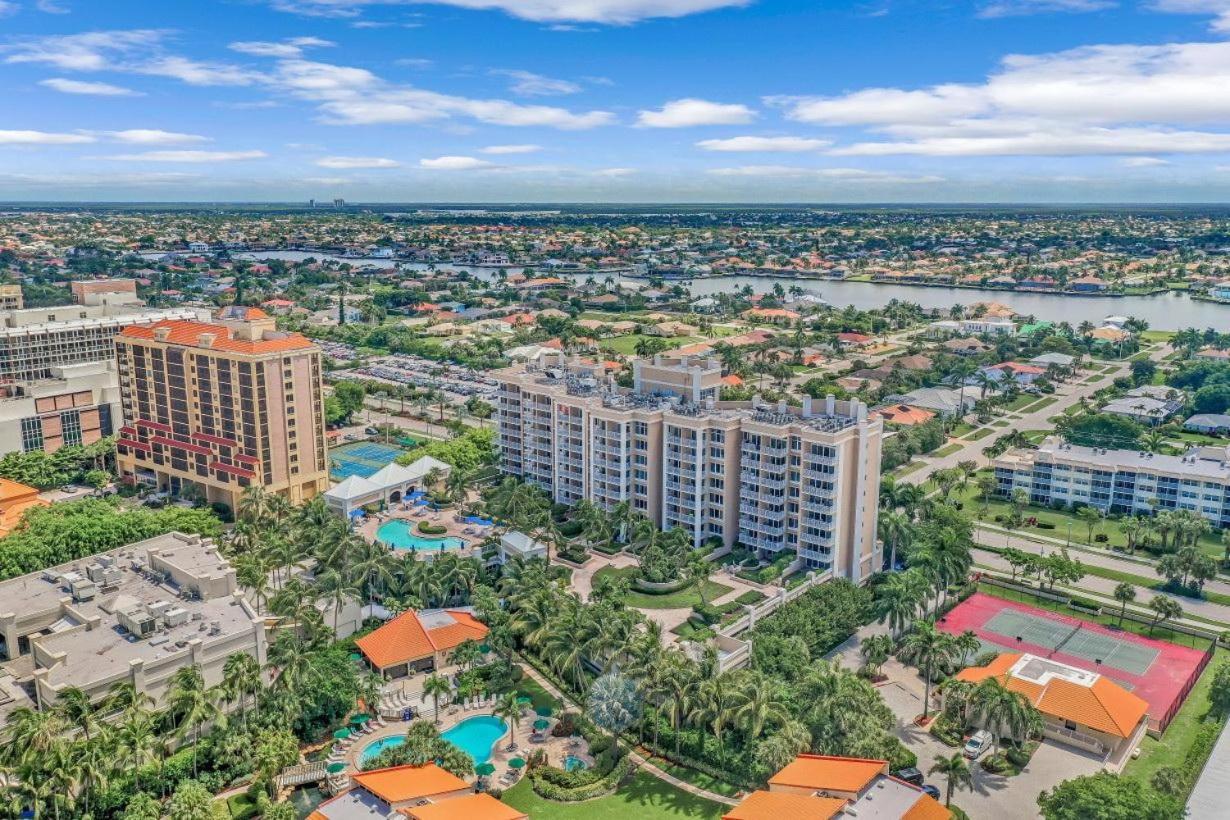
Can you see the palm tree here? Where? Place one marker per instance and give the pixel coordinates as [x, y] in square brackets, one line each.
[74, 706]
[715, 705]
[435, 687]
[189, 701]
[241, 677]
[337, 587]
[956, 770]
[760, 701]
[1125, 593]
[895, 528]
[139, 742]
[899, 599]
[1002, 711]
[876, 649]
[926, 646]
[510, 710]
[967, 644]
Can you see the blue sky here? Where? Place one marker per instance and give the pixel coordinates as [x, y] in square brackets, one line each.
[616, 100]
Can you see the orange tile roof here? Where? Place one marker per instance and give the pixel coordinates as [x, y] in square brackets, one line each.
[904, 414]
[762, 805]
[405, 639]
[1105, 706]
[841, 774]
[481, 806]
[927, 808]
[401, 783]
[15, 500]
[188, 334]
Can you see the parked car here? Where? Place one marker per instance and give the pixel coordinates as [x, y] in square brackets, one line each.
[931, 790]
[911, 775]
[977, 744]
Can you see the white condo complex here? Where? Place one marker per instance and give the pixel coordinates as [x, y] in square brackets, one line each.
[769, 476]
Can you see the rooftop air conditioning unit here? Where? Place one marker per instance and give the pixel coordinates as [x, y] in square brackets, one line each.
[176, 616]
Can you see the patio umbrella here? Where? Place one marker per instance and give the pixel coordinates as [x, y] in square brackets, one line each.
[484, 648]
[342, 733]
[484, 769]
[334, 768]
[544, 711]
[356, 657]
[517, 763]
[360, 719]
[541, 724]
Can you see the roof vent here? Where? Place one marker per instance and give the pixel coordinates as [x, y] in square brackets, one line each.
[206, 340]
[161, 334]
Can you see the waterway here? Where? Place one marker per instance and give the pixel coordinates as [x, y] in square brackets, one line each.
[1164, 311]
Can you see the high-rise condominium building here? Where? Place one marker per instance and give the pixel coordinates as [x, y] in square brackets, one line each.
[772, 477]
[222, 406]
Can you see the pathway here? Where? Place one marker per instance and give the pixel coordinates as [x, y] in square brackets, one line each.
[644, 764]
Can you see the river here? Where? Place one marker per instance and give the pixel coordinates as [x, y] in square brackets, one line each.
[1164, 311]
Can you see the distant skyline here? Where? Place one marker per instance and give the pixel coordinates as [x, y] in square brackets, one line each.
[779, 101]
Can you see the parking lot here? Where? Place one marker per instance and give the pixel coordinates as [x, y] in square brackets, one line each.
[459, 381]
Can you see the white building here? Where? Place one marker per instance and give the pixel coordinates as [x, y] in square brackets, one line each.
[519, 545]
[389, 485]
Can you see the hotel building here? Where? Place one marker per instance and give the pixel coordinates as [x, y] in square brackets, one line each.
[221, 406]
[1120, 481]
[772, 477]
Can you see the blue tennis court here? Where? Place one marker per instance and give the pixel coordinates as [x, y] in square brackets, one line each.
[362, 458]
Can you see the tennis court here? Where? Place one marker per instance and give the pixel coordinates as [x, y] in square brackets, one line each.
[362, 458]
[1159, 671]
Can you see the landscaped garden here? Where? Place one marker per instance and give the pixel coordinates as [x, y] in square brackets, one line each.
[644, 797]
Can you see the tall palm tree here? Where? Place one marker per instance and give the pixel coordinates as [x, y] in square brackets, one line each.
[337, 588]
[241, 678]
[1003, 712]
[715, 706]
[190, 702]
[957, 772]
[899, 599]
[139, 742]
[510, 711]
[760, 701]
[895, 528]
[926, 646]
[75, 707]
[436, 687]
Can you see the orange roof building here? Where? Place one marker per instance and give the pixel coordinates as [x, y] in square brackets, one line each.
[422, 640]
[904, 414]
[820, 787]
[15, 500]
[1079, 707]
[418, 792]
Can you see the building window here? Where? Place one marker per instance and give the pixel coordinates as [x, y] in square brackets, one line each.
[31, 434]
[71, 422]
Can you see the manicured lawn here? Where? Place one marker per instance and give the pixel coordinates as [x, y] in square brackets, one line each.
[978, 434]
[1020, 401]
[1157, 335]
[644, 797]
[531, 688]
[240, 807]
[1173, 746]
[686, 597]
[700, 779]
[946, 450]
[627, 344]
[1042, 405]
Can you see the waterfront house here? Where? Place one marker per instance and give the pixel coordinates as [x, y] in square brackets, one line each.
[1217, 424]
[1213, 354]
[1088, 284]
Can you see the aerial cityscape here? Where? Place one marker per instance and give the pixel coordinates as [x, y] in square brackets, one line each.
[601, 409]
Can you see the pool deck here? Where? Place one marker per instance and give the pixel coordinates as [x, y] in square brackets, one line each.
[557, 748]
[469, 533]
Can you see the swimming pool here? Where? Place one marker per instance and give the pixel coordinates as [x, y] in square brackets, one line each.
[572, 763]
[475, 736]
[399, 534]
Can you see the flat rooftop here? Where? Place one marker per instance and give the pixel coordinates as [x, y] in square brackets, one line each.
[1195, 464]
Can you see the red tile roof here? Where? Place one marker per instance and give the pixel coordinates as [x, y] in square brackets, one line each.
[188, 334]
[405, 639]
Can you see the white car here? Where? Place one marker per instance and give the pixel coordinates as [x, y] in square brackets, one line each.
[978, 743]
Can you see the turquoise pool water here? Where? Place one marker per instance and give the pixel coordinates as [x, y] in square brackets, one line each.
[475, 736]
[400, 534]
[572, 763]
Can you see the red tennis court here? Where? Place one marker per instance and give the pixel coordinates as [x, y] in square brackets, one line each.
[1160, 672]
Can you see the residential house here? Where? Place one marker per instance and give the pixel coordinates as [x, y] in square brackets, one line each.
[966, 347]
[1088, 284]
[943, 401]
[1216, 424]
[903, 414]
[1020, 373]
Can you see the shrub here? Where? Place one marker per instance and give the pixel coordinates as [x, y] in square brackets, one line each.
[1045, 525]
[431, 529]
[571, 529]
[1101, 538]
[543, 782]
[566, 726]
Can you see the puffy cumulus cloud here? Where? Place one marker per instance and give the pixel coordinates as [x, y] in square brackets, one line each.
[42, 138]
[691, 112]
[1021, 8]
[356, 96]
[357, 162]
[197, 72]
[1102, 99]
[1219, 9]
[67, 86]
[154, 136]
[510, 149]
[613, 12]
[454, 163]
[286, 48]
[780, 145]
[187, 156]
[529, 84]
[860, 175]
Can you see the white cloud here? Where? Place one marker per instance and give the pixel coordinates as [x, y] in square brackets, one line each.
[510, 149]
[1102, 99]
[764, 144]
[7, 8]
[529, 84]
[690, 112]
[50, 7]
[1021, 8]
[1143, 162]
[860, 175]
[357, 162]
[90, 51]
[196, 72]
[42, 138]
[614, 173]
[454, 163]
[188, 156]
[153, 136]
[614, 12]
[1219, 9]
[66, 86]
[286, 48]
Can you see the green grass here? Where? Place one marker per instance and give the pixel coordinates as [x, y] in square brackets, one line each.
[1173, 745]
[1042, 405]
[1019, 402]
[531, 688]
[1157, 335]
[684, 598]
[627, 344]
[946, 450]
[240, 807]
[960, 429]
[644, 797]
[698, 779]
[979, 434]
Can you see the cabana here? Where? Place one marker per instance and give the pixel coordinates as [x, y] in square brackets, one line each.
[392, 484]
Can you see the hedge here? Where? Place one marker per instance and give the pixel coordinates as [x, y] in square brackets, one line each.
[550, 791]
[431, 529]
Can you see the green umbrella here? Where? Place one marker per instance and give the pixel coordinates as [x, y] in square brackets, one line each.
[360, 719]
[517, 763]
[484, 769]
[334, 768]
[355, 656]
[544, 711]
[342, 734]
[484, 648]
[541, 724]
